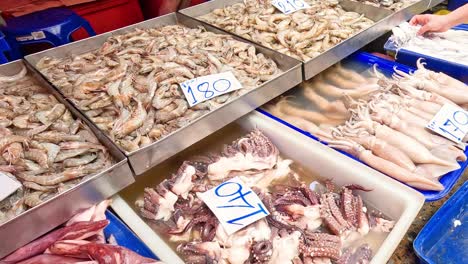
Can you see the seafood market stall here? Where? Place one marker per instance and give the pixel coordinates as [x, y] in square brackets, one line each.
[232, 132]
[176, 126]
[332, 40]
[292, 165]
[64, 162]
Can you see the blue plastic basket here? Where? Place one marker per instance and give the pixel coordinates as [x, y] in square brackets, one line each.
[440, 241]
[386, 66]
[454, 4]
[125, 237]
[410, 58]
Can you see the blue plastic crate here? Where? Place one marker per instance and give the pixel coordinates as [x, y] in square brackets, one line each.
[410, 58]
[386, 66]
[4, 47]
[441, 240]
[125, 237]
[454, 4]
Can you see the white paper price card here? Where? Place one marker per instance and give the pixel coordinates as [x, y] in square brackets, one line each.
[7, 186]
[234, 204]
[289, 6]
[451, 122]
[206, 87]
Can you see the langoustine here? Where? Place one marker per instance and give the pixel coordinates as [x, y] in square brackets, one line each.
[33, 144]
[303, 224]
[129, 87]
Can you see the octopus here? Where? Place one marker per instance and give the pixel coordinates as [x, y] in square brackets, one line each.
[303, 225]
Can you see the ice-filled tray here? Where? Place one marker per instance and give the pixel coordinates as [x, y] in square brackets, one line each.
[443, 239]
[55, 211]
[410, 58]
[362, 62]
[149, 156]
[385, 21]
[400, 204]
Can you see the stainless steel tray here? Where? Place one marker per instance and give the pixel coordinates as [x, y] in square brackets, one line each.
[384, 18]
[40, 219]
[395, 200]
[147, 157]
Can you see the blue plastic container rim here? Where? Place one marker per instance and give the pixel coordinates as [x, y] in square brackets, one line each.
[453, 204]
[390, 46]
[448, 180]
[125, 237]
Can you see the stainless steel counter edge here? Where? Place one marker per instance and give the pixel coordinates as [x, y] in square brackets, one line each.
[148, 157]
[39, 220]
[385, 21]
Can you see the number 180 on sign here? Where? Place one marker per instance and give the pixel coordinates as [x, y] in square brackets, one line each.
[207, 87]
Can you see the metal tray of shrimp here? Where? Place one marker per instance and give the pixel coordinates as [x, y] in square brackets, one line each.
[145, 158]
[36, 221]
[314, 162]
[384, 20]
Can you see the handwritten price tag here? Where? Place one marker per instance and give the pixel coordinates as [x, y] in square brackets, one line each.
[234, 204]
[206, 87]
[289, 6]
[7, 186]
[451, 122]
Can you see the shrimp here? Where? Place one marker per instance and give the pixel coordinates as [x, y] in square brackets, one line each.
[136, 120]
[13, 153]
[10, 139]
[38, 156]
[66, 154]
[37, 187]
[56, 178]
[81, 145]
[52, 151]
[83, 160]
[56, 137]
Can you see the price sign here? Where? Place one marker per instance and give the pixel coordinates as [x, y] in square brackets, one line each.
[234, 204]
[206, 87]
[7, 186]
[451, 122]
[289, 6]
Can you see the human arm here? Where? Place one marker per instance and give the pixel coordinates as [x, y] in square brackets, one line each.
[168, 6]
[436, 23]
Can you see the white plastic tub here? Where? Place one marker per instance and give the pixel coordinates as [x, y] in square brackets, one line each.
[395, 200]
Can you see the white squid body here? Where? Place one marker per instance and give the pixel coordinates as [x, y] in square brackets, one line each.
[239, 162]
[264, 179]
[306, 217]
[285, 248]
[183, 183]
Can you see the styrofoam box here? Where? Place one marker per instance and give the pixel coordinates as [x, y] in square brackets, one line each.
[395, 200]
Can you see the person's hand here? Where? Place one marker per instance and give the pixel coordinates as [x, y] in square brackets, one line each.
[430, 23]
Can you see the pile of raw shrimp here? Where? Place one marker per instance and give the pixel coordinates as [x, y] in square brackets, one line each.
[42, 145]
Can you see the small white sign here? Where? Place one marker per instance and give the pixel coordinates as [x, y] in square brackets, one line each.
[206, 87]
[451, 122]
[7, 186]
[289, 6]
[234, 204]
